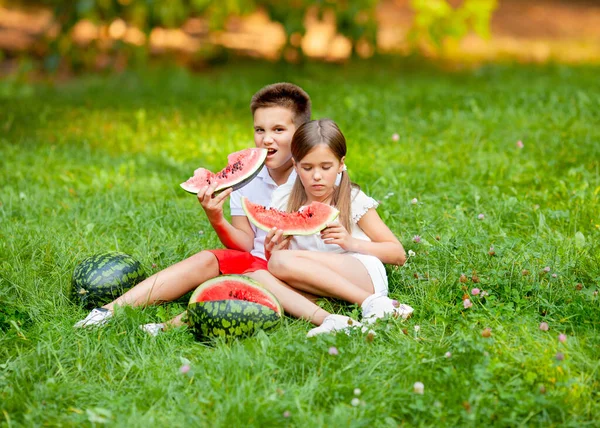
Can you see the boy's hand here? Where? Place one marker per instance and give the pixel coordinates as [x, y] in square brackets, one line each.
[275, 241]
[335, 233]
[213, 204]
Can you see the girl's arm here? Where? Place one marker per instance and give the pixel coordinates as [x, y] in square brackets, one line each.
[385, 246]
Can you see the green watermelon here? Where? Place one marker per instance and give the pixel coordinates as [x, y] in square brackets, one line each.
[309, 220]
[232, 306]
[242, 167]
[101, 278]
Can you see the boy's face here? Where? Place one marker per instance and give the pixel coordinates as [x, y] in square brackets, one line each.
[273, 130]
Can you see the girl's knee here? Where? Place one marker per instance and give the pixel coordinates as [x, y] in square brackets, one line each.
[279, 263]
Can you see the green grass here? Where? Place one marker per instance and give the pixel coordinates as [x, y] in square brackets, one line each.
[94, 164]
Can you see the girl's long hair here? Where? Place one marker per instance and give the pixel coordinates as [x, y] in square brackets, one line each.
[307, 137]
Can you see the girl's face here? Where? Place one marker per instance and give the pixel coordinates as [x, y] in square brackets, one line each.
[318, 171]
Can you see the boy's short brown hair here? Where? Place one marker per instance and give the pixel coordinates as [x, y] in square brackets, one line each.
[285, 95]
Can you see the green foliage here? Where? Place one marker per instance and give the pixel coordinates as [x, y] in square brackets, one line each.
[436, 20]
[94, 164]
[355, 19]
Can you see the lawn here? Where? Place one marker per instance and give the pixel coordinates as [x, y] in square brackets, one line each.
[94, 164]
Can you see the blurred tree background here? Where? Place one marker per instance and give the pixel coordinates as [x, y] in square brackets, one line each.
[82, 35]
[90, 34]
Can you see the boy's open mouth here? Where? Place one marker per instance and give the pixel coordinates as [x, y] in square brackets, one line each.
[271, 152]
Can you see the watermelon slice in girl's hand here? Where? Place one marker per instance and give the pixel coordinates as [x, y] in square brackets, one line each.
[242, 167]
[309, 220]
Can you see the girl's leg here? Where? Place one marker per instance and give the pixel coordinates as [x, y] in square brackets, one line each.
[337, 275]
[171, 283]
[324, 274]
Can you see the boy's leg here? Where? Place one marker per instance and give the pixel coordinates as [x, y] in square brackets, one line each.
[323, 274]
[166, 285]
[296, 303]
[171, 283]
[153, 329]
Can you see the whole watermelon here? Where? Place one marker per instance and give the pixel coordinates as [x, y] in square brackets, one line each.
[101, 278]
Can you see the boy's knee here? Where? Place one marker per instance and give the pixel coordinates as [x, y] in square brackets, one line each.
[205, 261]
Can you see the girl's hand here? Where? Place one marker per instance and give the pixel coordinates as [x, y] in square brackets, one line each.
[275, 242]
[335, 233]
[213, 204]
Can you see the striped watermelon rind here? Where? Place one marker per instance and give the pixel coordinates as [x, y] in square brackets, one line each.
[101, 278]
[232, 317]
[243, 167]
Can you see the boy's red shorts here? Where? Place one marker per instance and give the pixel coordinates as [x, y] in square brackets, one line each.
[238, 262]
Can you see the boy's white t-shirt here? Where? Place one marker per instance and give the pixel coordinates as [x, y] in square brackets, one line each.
[259, 191]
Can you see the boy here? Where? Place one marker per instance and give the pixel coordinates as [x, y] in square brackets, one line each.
[278, 110]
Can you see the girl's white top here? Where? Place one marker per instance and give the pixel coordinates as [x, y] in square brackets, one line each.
[361, 203]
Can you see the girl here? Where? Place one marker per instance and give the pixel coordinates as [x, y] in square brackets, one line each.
[346, 260]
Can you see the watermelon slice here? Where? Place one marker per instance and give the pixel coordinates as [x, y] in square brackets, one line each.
[309, 220]
[232, 306]
[242, 167]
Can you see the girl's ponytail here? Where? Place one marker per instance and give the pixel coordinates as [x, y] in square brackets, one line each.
[342, 200]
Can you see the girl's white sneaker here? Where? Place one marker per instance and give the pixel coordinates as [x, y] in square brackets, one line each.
[377, 306]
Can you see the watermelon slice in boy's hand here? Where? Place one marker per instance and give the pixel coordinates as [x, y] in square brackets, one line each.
[242, 167]
[309, 220]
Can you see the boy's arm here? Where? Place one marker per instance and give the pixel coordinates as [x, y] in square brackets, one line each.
[237, 235]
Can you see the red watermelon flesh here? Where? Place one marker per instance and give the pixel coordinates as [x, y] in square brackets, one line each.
[242, 167]
[309, 220]
[235, 287]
